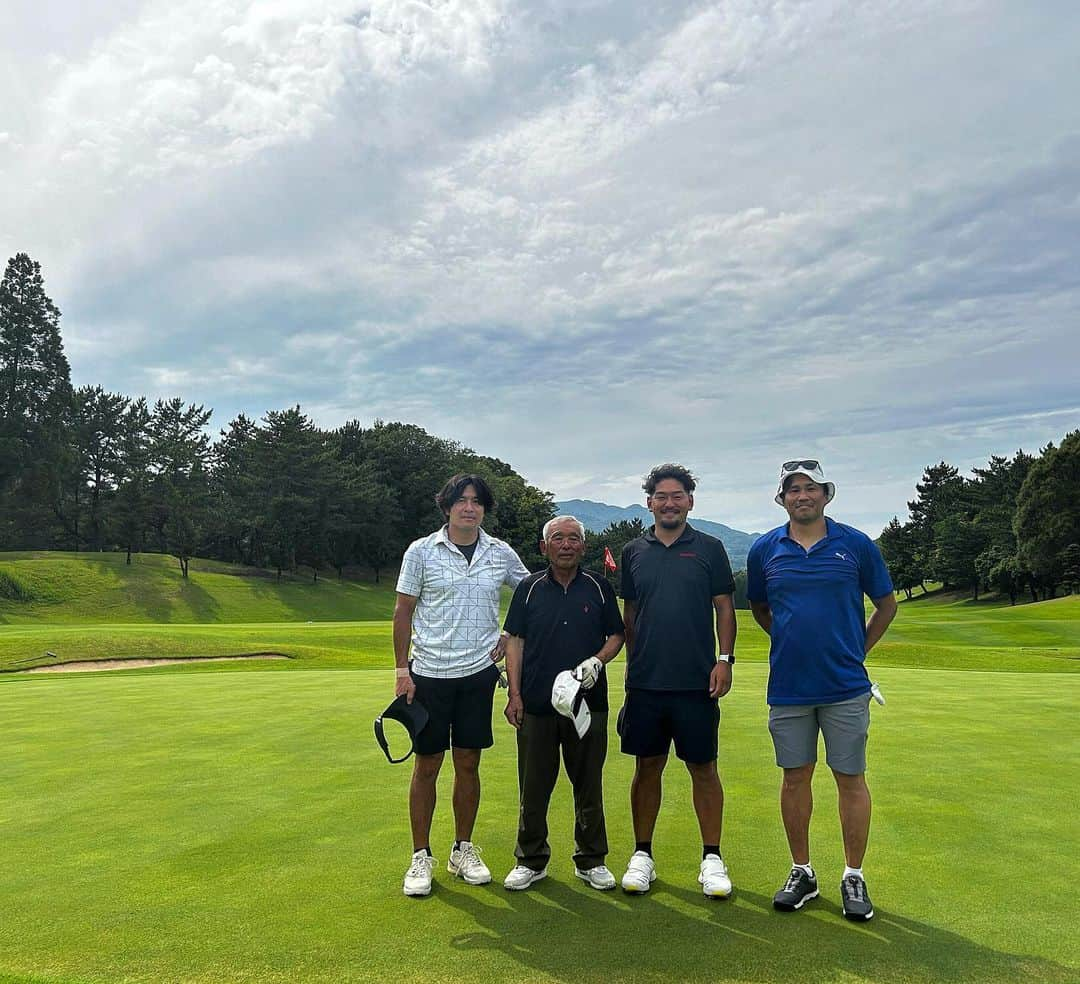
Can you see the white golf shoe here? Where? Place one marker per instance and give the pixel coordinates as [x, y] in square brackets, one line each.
[521, 877]
[714, 879]
[599, 877]
[418, 877]
[466, 864]
[640, 874]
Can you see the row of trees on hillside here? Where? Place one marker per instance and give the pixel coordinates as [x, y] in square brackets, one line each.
[86, 469]
[1012, 527]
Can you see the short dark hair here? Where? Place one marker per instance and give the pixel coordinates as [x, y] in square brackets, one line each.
[455, 489]
[669, 470]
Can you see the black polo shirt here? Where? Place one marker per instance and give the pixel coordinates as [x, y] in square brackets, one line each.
[561, 627]
[674, 645]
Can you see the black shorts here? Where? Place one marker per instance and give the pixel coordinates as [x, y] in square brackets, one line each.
[459, 711]
[653, 718]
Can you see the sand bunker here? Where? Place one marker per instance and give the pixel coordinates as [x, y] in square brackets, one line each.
[94, 665]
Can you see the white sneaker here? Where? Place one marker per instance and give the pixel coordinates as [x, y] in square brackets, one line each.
[418, 877]
[714, 879]
[521, 877]
[465, 863]
[640, 874]
[599, 877]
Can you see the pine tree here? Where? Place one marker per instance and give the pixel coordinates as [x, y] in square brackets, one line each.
[939, 492]
[35, 402]
[1048, 512]
[180, 494]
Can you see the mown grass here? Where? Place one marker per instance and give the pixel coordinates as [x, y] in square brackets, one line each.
[90, 588]
[234, 822]
[93, 606]
[334, 644]
[209, 827]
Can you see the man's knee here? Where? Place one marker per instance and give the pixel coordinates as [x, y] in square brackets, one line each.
[799, 777]
[426, 767]
[703, 773]
[851, 784]
[650, 768]
[467, 761]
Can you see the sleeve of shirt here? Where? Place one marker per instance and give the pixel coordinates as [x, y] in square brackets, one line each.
[515, 615]
[411, 576]
[722, 580]
[613, 623]
[516, 571]
[629, 592]
[755, 575]
[873, 574]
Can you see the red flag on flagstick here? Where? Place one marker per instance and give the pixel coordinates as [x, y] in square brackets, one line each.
[609, 561]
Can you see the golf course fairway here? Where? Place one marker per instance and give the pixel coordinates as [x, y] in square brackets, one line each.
[207, 825]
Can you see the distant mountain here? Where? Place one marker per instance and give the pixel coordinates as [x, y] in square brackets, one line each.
[599, 515]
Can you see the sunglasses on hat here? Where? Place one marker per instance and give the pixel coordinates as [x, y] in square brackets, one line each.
[805, 466]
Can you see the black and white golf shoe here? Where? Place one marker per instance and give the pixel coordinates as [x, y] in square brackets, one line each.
[857, 905]
[799, 889]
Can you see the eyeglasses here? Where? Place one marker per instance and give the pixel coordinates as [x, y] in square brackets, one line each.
[674, 497]
[810, 465]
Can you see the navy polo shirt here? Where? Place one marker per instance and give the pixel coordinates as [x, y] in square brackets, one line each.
[674, 643]
[561, 627]
[818, 638]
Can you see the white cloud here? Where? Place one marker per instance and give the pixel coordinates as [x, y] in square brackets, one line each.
[580, 236]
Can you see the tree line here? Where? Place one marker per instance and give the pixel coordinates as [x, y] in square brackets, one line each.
[1012, 527]
[86, 469]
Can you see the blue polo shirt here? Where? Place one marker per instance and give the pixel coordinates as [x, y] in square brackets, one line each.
[818, 636]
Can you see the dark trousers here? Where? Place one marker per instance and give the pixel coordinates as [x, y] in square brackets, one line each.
[540, 739]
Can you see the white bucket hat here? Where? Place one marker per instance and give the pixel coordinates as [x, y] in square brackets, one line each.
[811, 468]
[568, 699]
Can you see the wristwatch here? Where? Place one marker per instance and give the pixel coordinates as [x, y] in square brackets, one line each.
[726, 658]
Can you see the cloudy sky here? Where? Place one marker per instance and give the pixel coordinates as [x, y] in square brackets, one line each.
[583, 237]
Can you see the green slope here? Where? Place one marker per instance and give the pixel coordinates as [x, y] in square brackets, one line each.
[93, 606]
[94, 588]
[1035, 635]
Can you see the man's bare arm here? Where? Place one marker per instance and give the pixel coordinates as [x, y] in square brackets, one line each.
[726, 628]
[404, 606]
[515, 708]
[610, 649]
[883, 614]
[629, 613]
[762, 615]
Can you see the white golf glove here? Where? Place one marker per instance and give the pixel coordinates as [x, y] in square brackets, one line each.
[587, 672]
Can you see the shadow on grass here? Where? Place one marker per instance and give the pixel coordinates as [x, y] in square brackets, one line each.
[572, 934]
[154, 588]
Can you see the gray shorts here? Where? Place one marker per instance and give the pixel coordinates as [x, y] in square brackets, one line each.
[844, 725]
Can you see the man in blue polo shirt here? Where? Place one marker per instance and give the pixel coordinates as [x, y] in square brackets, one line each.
[806, 581]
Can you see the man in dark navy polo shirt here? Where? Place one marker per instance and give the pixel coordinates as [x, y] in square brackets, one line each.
[677, 590]
[563, 618]
[806, 581]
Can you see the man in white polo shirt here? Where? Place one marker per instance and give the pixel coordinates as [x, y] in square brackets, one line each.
[447, 609]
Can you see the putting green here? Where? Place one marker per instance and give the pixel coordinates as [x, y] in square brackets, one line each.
[242, 826]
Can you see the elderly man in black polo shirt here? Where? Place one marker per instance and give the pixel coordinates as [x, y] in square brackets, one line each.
[563, 618]
[676, 584]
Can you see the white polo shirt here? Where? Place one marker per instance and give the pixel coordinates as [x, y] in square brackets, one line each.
[456, 622]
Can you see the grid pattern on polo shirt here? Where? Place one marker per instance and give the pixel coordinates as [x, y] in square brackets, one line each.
[456, 621]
